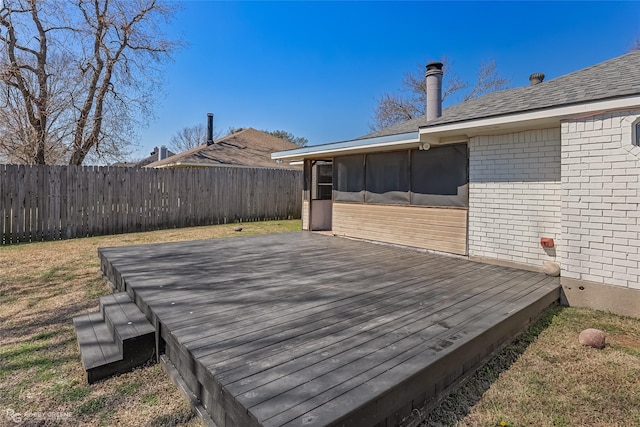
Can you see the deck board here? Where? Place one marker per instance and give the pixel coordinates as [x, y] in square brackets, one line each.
[252, 301]
[378, 354]
[372, 315]
[355, 372]
[317, 317]
[302, 328]
[400, 316]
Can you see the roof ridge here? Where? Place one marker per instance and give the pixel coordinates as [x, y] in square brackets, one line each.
[589, 67]
[255, 141]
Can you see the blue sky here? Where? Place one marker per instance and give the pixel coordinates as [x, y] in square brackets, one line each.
[316, 69]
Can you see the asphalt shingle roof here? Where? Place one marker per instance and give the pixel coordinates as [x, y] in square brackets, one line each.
[617, 77]
[144, 162]
[249, 147]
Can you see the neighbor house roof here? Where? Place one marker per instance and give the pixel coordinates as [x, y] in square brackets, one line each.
[602, 86]
[147, 160]
[248, 147]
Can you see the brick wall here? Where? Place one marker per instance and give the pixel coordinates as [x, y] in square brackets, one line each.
[514, 196]
[600, 197]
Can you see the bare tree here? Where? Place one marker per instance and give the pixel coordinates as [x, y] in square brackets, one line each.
[393, 108]
[232, 129]
[76, 78]
[288, 136]
[190, 137]
[35, 132]
[24, 72]
[487, 80]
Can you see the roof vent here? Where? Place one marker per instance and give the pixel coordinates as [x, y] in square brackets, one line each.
[536, 78]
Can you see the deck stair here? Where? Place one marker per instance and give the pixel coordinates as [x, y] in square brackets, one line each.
[115, 339]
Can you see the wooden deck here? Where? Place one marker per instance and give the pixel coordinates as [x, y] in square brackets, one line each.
[306, 329]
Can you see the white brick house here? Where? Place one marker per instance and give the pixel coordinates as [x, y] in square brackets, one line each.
[512, 207]
[555, 160]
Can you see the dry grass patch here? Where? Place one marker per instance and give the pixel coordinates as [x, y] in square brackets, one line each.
[546, 378]
[42, 287]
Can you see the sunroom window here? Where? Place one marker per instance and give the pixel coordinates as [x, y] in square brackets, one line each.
[435, 177]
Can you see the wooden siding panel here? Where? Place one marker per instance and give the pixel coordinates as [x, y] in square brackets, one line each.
[440, 229]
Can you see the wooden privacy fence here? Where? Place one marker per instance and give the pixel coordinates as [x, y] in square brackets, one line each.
[62, 202]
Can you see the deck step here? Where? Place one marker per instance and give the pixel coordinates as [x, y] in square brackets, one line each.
[114, 340]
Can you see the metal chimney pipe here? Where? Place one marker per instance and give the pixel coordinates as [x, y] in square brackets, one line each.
[209, 128]
[434, 90]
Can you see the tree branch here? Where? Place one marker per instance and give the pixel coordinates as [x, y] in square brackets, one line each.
[392, 108]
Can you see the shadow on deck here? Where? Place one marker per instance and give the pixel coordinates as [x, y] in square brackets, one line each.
[305, 329]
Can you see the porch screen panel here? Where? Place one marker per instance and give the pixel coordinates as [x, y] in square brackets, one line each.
[348, 178]
[387, 178]
[439, 176]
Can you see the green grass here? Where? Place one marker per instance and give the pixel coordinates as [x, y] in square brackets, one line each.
[92, 406]
[75, 394]
[150, 399]
[129, 389]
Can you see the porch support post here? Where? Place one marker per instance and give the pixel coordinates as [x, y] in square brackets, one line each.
[306, 195]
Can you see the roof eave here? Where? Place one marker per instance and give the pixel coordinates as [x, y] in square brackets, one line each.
[536, 119]
[460, 131]
[349, 147]
[215, 165]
